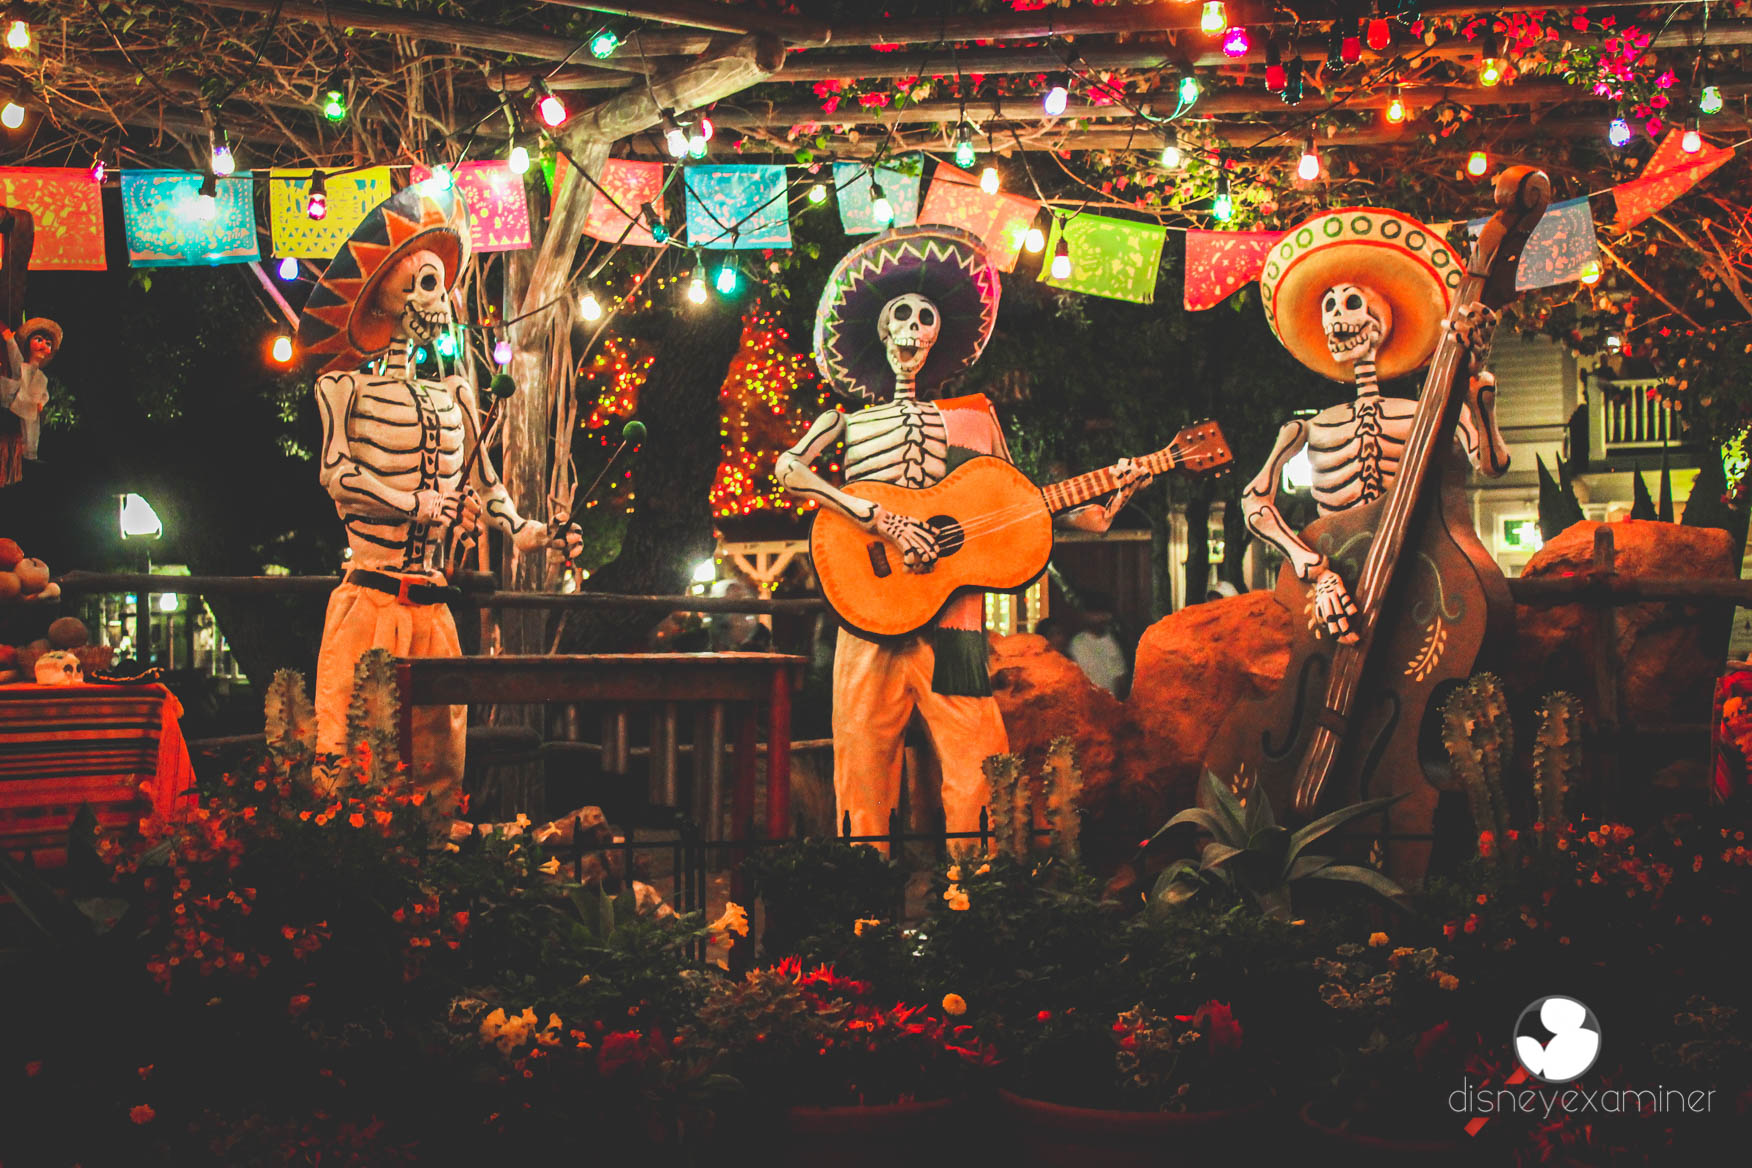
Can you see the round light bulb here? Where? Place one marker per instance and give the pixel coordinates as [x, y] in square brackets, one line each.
[1171, 156]
[1236, 42]
[1061, 266]
[518, 160]
[288, 268]
[588, 307]
[818, 192]
[675, 141]
[223, 162]
[1055, 101]
[502, 353]
[316, 206]
[603, 44]
[1379, 33]
[727, 278]
[11, 115]
[206, 207]
[282, 348]
[1222, 207]
[696, 287]
[1591, 273]
[1034, 241]
[1691, 141]
[1491, 70]
[1308, 168]
[334, 105]
[1477, 163]
[1189, 89]
[965, 155]
[1710, 100]
[99, 170]
[1395, 110]
[988, 180]
[552, 111]
[18, 36]
[881, 209]
[1213, 18]
[1618, 132]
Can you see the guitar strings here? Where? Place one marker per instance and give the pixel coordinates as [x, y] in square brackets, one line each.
[1003, 517]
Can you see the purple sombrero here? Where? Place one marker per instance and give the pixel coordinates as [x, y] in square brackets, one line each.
[338, 318]
[945, 264]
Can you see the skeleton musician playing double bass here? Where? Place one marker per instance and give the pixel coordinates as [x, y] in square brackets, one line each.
[394, 447]
[910, 310]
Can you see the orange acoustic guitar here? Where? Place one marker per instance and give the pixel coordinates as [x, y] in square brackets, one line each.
[994, 533]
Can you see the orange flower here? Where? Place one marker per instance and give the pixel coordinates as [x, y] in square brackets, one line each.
[1377, 940]
[142, 1113]
[356, 819]
[954, 1004]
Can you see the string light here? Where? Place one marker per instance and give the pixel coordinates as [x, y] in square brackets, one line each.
[502, 353]
[334, 97]
[439, 180]
[654, 223]
[965, 156]
[1061, 258]
[1308, 168]
[288, 269]
[98, 169]
[1350, 45]
[674, 137]
[1492, 66]
[282, 350]
[1618, 132]
[1057, 95]
[604, 43]
[1396, 108]
[1380, 33]
[1274, 66]
[18, 37]
[728, 277]
[1223, 206]
[207, 198]
[1710, 100]
[316, 202]
[988, 180]
[881, 209]
[1236, 42]
[518, 159]
[697, 139]
[696, 287]
[1691, 141]
[1171, 157]
[1189, 89]
[818, 192]
[549, 108]
[11, 114]
[1591, 273]
[588, 306]
[1477, 163]
[1294, 82]
[446, 344]
[222, 163]
[1213, 18]
[1034, 241]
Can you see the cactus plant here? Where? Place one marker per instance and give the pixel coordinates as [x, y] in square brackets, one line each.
[1013, 802]
[1003, 775]
[1480, 737]
[1062, 785]
[1557, 757]
[372, 716]
[290, 722]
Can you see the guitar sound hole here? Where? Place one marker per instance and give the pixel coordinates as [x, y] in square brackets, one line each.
[950, 537]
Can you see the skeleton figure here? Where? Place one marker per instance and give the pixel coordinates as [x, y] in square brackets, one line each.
[1354, 449]
[392, 455]
[877, 687]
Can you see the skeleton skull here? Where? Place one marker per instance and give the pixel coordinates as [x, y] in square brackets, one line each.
[415, 294]
[58, 667]
[1356, 322]
[908, 327]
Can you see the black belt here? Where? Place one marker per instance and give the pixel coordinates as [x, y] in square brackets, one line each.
[403, 589]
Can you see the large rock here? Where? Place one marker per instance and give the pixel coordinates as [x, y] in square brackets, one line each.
[1045, 695]
[1670, 652]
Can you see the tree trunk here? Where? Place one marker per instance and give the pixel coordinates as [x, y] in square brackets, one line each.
[670, 529]
[1235, 538]
[1198, 544]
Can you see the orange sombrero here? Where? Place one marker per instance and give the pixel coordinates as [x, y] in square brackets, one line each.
[340, 317]
[1401, 260]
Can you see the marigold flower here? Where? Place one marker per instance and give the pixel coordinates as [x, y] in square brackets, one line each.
[142, 1113]
[357, 819]
[957, 899]
[954, 1004]
[859, 925]
[1377, 940]
[1447, 981]
[734, 920]
[551, 867]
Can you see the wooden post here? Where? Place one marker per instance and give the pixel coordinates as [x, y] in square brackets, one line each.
[779, 756]
[742, 829]
[1603, 655]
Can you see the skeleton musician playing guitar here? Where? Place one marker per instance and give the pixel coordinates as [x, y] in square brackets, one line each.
[913, 308]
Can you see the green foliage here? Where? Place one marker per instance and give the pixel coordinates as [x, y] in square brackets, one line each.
[815, 890]
[1250, 856]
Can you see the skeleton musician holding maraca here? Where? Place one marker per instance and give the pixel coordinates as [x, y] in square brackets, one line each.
[396, 450]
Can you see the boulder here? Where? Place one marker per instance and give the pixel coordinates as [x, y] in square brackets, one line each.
[1192, 667]
[1045, 695]
[1670, 652]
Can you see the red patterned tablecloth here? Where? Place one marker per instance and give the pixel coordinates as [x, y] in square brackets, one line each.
[118, 748]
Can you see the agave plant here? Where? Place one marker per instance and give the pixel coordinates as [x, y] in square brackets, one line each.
[1250, 855]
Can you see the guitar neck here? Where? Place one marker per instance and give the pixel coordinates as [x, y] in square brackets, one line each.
[1073, 493]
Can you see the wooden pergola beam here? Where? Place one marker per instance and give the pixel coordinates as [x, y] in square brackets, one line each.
[710, 17]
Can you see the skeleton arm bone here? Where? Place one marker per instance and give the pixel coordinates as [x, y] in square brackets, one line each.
[1259, 503]
[350, 484]
[795, 471]
[1098, 517]
[1478, 431]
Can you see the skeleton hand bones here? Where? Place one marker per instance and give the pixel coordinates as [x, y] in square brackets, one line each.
[916, 540]
[1333, 605]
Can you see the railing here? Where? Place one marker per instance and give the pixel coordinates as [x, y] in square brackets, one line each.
[1624, 419]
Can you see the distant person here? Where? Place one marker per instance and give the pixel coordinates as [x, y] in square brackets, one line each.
[1097, 649]
[1221, 589]
[1058, 638]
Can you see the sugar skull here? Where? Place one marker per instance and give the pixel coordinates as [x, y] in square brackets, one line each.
[908, 327]
[1356, 322]
[414, 294]
[58, 667]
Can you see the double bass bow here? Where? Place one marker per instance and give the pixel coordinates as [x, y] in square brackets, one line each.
[1429, 599]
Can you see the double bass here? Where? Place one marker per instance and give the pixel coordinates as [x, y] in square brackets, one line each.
[1361, 720]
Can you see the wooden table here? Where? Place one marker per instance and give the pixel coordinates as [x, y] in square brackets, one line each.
[708, 681]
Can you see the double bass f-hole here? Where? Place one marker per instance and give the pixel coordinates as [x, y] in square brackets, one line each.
[1308, 691]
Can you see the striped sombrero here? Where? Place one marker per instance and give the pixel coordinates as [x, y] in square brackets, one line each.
[1401, 260]
[339, 317]
[945, 264]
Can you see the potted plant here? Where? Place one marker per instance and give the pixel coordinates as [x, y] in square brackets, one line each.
[850, 1078]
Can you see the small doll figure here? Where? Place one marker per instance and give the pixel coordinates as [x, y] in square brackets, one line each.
[24, 391]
